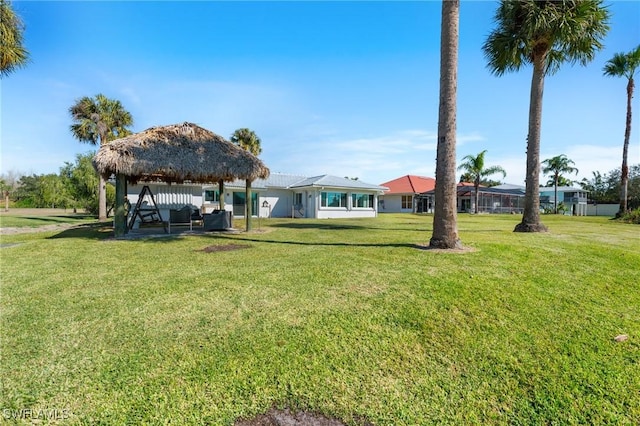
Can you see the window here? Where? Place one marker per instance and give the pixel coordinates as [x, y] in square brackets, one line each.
[407, 201]
[362, 200]
[297, 199]
[239, 203]
[333, 199]
[211, 196]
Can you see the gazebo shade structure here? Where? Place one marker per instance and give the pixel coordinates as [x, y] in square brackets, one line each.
[175, 154]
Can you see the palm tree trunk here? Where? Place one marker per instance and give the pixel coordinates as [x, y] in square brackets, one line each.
[477, 188]
[102, 199]
[445, 227]
[624, 175]
[531, 215]
[555, 193]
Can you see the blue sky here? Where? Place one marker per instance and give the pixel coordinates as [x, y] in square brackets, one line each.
[341, 88]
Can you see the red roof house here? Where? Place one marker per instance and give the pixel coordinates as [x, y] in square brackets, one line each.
[400, 198]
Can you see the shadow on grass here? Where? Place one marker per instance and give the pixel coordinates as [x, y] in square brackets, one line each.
[344, 227]
[58, 218]
[90, 231]
[318, 243]
[327, 226]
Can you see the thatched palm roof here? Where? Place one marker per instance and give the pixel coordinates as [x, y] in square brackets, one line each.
[177, 153]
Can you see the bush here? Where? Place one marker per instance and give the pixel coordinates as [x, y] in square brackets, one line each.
[632, 216]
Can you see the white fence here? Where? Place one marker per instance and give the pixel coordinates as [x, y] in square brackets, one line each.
[602, 209]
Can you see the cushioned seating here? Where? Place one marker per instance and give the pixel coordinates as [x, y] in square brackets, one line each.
[180, 217]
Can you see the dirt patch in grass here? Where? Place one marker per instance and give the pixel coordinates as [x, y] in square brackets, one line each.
[286, 417]
[226, 247]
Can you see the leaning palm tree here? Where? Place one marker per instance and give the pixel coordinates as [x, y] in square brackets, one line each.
[247, 139]
[13, 54]
[556, 167]
[624, 65]
[445, 221]
[474, 167]
[97, 121]
[544, 34]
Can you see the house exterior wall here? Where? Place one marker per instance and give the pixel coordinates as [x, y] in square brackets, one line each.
[279, 203]
[574, 199]
[348, 211]
[393, 204]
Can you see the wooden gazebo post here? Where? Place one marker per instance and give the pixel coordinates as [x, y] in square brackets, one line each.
[247, 206]
[120, 217]
[221, 195]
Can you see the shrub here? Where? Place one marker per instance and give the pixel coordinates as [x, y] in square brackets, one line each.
[632, 216]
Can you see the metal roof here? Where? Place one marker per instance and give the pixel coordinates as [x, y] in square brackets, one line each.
[284, 181]
[336, 182]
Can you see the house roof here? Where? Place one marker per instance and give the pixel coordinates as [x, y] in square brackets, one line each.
[409, 184]
[284, 181]
[562, 189]
[466, 188]
[509, 186]
[336, 182]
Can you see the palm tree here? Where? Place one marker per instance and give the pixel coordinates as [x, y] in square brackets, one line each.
[13, 53]
[97, 121]
[562, 181]
[556, 167]
[248, 140]
[624, 65]
[544, 34]
[474, 166]
[445, 221]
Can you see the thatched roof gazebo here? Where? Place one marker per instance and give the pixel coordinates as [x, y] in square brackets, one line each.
[174, 154]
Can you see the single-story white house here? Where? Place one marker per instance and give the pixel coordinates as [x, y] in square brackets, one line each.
[280, 195]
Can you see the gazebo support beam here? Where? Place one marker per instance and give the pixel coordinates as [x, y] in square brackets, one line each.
[221, 194]
[248, 206]
[120, 218]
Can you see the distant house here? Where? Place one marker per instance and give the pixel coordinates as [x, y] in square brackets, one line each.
[280, 195]
[495, 199]
[574, 199]
[401, 196]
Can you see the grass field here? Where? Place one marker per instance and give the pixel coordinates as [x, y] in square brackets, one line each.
[31, 218]
[343, 317]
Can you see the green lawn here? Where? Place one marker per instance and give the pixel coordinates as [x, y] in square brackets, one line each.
[343, 317]
[11, 220]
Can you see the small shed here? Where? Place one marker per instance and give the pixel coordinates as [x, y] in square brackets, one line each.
[175, 153]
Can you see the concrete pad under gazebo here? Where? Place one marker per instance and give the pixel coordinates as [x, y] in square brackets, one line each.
[175, 154]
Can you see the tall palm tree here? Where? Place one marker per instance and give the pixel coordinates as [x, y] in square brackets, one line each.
[544, 34]
[445, 220]
[248, 140]
[13, 54]
[624, 65]
[556, 167]
[562, 181]
[474, 166]
[97, 121]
